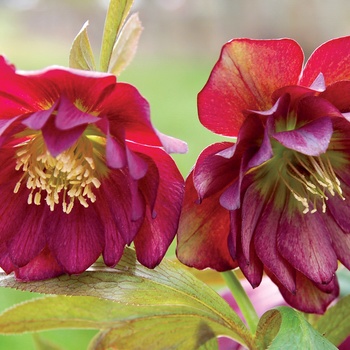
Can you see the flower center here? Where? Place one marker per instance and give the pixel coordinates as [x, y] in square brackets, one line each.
[67, 178]
[310, 179]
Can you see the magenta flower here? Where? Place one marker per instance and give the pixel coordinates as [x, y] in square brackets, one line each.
[83, 173]
[278, 198]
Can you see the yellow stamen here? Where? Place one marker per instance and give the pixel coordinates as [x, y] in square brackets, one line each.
[68, 177]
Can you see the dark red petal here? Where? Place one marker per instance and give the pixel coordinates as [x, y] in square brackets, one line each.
[252, 268]
[340, 240]
[14, 206]
[339, 95]
[162, 216]
[303, 240]
[119, 192]
[30, 239]
[265, 242]
[311, 139]
[213, 171]
[76, 239]
[56, 140]
[252, 208]
[340, 208]
[203, 232]
[246, 75]
[309, 297]
[42, 267]
[5, 261]
[87, 88]
[332, 59]
[131, 112]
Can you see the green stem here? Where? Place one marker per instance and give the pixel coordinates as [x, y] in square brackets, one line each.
[241, 299]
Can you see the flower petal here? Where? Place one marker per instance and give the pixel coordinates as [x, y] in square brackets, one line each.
[203, 232]
[309, 297]
[42, 267]
[338, 94]
[265, 242]
[162, 215]
[332, 59]
[76, 239]
[311, 139]
[69, 116]
[212, 171]
[246, 75]
[303, 240]
[56, 140]
[340, 240]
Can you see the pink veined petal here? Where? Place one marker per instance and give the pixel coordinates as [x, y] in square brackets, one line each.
[137, 166]
[332, 59]
[115, 152]
[162, 216]
[265, 242]
[303, 240]
[311, 139]
[76, 240]
[38, 119]
[246, 75]
[57, 140]
[203, 232]
[69, 116]
[172, 144]
[309, 297]
[42, 267]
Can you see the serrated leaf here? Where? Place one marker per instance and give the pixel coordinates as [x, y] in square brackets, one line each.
[286, 328]
[125, 47]
[134, 300]
[115, 18]
[81, 55]
[335, 323]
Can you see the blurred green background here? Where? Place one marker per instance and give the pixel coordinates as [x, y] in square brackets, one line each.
[180, 43]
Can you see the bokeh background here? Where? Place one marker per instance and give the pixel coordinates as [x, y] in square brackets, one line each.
[180, 43]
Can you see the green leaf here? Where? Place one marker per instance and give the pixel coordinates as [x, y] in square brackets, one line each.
[137, 302]
[125, 47]
[116, 15]
[44, 344]
[286, 328]
[335, 323]
[81, 55]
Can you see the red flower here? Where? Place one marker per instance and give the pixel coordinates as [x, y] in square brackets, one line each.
[83, 173]
[277, 198]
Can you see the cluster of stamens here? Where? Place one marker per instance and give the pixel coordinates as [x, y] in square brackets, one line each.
[68, 177]
[317, 177]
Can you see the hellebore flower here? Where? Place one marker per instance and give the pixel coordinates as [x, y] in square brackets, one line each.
[278, 198]
[83, 172]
